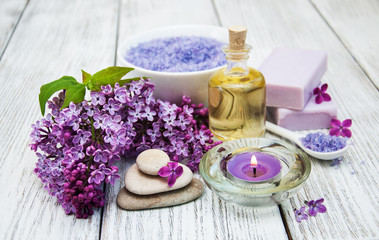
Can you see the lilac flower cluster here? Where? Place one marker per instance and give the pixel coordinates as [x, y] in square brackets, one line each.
[321, 142]
[178, 54]
[77, 146]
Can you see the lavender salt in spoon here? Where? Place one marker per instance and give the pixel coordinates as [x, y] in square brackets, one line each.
[297, 138]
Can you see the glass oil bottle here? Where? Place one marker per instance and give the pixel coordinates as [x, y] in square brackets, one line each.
[237, 93]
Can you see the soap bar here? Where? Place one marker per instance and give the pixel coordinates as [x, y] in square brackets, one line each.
[313, 116]
[291, 75]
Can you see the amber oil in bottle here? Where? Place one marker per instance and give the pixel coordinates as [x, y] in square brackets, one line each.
[237, 93]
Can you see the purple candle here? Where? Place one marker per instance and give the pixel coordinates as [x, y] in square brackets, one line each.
[254, 166]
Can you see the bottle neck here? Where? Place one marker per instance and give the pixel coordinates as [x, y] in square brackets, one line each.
[237, 61]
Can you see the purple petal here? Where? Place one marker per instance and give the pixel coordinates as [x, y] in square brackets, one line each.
[335, 123]
[164, 171]
[107, 171]
[346, 133]
[324, 87]
[171, 180]
[316, 91]
[300, 214]
[335, 131]
[172, 165]
[178, 171]
[312, 211]
[321, 208]
[298, 217]
[347, 123]
[326, 97]
[318, 99]
[310, 203]
[321, 200]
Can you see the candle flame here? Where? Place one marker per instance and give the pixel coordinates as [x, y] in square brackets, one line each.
[253, 161]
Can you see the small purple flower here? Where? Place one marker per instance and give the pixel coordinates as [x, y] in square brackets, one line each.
[172, 171]
[339, 128]
[72, 110]
[315, 207]
[81, 137]
[136, 87]
[101, 156]
[153, 134]
[135, 114]
[96, 177]
[321, 94]
[97, 98]
[169, 121]
[203, 136]
[112, 106]
[99, 120]
[112, 176]
[183, 122]
[300, 214]
[169, 109]
[149, 114]
[107, 90]
[121, 95]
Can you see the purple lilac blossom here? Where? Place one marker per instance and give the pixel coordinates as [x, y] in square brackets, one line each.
[300, 214]
[172, 171]
[178, 54]
[321, 94]
[321, 142]
[316, 206]
[77, 146]
[339, 128]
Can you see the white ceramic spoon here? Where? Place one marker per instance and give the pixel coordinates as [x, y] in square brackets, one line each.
[296, 138]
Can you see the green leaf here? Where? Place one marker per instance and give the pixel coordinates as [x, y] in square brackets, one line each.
[107, 76]
[74, 94]
[50, 88]
[86, 77]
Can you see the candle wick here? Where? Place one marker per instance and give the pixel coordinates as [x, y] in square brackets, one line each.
[254, 171]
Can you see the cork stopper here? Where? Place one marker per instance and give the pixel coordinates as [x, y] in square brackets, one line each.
[237, 37]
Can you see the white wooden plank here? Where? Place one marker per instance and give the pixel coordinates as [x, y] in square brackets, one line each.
[53, 38]
[351, 199]
[356, 24]
[10, 13]
[207, 217]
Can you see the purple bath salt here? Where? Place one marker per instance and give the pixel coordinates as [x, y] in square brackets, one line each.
[178, 54]
[320, 142]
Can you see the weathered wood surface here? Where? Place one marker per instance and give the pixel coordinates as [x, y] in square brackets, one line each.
[55, 38]
[207, 217]
[350, 190]
[356, 23]
[10, 13]
[52, 39]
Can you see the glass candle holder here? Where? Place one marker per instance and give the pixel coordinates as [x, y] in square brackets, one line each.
[295, 167]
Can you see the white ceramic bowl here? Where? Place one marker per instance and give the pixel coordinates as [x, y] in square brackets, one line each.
[172, 86]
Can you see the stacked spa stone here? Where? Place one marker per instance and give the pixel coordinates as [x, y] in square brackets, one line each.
[145, 189]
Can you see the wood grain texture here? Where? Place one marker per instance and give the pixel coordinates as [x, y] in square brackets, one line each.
[207, 217]
[52, 39]
[10, 13]
[350, 190]
[356, 24]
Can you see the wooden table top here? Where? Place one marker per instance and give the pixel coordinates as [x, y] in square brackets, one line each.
[42, 40]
